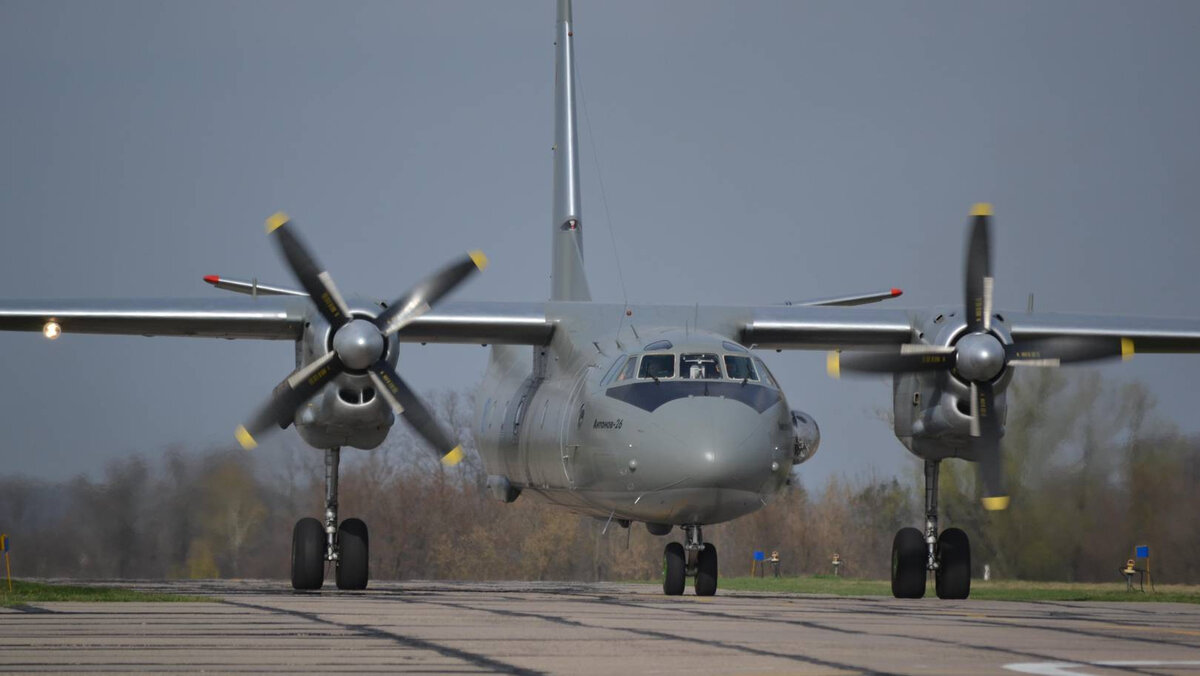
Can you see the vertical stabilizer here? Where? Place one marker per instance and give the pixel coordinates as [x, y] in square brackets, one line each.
[567, 279]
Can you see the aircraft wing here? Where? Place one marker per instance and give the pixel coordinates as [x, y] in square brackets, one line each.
[1148, 334]
[268, 318]
[822, 328]
[825, 328]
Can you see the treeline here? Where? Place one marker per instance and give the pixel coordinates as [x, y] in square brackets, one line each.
[1092, 471]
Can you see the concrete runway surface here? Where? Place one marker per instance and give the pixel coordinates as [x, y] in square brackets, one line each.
[576, 628]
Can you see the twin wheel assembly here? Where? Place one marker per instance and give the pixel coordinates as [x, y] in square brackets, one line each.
[914, 554]
[694, 558]
[347, 546]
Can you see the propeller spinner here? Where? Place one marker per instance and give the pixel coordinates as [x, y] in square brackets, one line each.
[980, 357]
[358, 344]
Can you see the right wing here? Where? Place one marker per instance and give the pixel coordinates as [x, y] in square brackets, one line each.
[269, 318]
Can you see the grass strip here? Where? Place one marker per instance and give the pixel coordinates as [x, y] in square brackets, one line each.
[35, 592]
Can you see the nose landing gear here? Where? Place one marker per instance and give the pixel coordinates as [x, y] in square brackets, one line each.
[948, 555]
[346, 546]
[694, 558]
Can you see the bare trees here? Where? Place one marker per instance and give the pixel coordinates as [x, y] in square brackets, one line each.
[1093, 471]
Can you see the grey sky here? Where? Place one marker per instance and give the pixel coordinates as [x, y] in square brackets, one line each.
[751, 152]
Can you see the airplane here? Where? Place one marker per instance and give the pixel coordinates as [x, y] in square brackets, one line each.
[663, 415]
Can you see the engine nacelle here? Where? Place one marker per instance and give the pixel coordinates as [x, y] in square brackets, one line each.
[806, 437]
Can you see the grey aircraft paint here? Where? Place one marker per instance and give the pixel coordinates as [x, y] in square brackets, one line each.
[552, 424]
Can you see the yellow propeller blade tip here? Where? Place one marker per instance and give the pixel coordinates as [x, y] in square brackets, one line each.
[276, 220]
[480, 260]
[833, 364]
[996, 504]
[1126, 349]
[453, 457]
[981, 209]
[244, 438]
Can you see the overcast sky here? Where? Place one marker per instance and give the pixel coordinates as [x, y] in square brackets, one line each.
[773, 150]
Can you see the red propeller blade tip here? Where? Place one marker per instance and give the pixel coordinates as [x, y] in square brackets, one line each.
[896, 292]
[213, 279]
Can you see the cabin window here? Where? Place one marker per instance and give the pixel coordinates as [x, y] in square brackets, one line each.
[658, 366]
[659, 345]
[740, 368]
[766, 373]
[699, 366]
[628, 371]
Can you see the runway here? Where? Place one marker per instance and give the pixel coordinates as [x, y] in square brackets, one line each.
[560, 628]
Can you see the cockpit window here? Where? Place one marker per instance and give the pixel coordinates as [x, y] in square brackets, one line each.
[627, 372]
[733, 347]
[740, 368]
[699, 366]
[657, 366]
[762, 368]
[659, 345]
[612, 372]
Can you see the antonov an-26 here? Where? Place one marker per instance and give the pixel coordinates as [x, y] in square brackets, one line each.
[670, 420]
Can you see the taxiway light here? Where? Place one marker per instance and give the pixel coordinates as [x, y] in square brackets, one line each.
[52, 330]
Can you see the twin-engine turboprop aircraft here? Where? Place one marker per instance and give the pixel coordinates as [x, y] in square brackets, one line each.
[657, 414]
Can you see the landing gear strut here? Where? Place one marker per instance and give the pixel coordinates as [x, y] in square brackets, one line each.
[346, 546]
[694, 558]
[948, 555]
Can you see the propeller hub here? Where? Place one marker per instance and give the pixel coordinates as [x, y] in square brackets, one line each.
[980, 357]
[358, 344]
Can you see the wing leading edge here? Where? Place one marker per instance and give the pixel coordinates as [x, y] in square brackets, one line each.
[819, 328]
[270, 318]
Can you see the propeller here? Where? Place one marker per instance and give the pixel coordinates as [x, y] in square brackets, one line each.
[980, 357]
[358, 344]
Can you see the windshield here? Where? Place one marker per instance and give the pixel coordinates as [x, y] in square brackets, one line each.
[657, 366]
[740, 368]
[699, 366]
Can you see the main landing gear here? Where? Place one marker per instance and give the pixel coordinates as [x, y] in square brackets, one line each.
[948, 555]
[694, 558]
[313, 544]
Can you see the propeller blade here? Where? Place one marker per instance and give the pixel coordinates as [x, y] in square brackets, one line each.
[991, 475]
[405, 402]
[938, 359]
[288, 396]
[979, 270]
[984, 421]
[308, 272]
[421, 297]
[1066, 350]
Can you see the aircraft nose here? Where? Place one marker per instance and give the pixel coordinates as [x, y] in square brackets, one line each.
[721, 443]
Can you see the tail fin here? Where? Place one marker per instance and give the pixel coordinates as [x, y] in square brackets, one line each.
[567, 278]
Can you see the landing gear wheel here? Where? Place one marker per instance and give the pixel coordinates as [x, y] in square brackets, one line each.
[954, 565]
[908, 564]
[352, 555]
[674, 569]
[706, 570]
[308, 554]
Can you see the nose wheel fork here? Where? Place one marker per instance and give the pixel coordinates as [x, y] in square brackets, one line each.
[946, 555]
[693, 558]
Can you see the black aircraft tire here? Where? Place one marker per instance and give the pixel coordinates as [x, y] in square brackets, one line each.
[353, 548]
[954, 565]
[706, 571]
[308, 554]
[674, 569]
[908, 564]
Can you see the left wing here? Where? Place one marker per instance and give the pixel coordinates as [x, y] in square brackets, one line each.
[821, 328]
